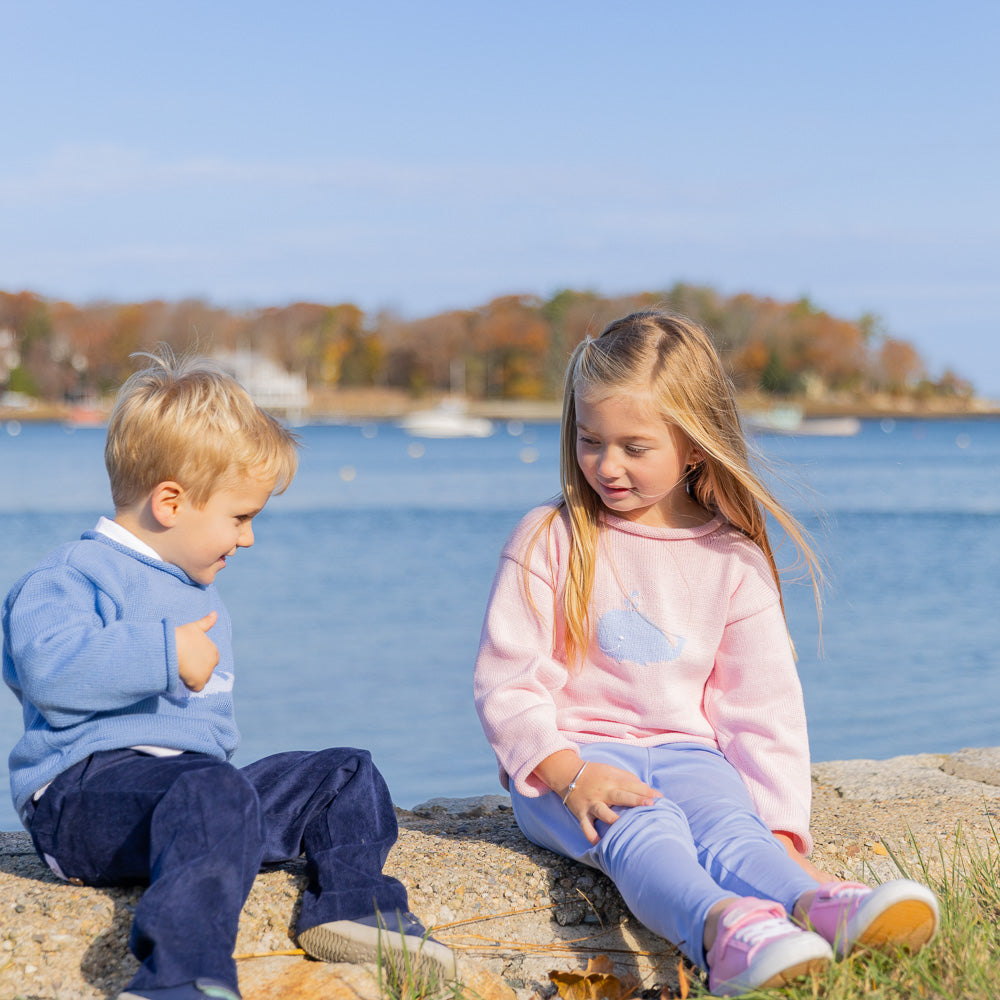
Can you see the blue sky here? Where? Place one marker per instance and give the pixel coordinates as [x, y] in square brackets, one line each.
[426, 156]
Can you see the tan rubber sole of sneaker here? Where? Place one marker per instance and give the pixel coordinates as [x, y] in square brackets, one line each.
[796, 972]
[908, 924]
[363, 944]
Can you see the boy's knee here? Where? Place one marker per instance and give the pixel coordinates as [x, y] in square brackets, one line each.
[219, 795]
[346, 756]
[352, 761]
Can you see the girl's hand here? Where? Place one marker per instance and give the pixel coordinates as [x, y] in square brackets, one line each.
[801, 860]
[600, 787]
[596, 788]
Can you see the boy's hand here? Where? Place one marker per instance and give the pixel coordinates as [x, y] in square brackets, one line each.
[197, 655]
[602, 786]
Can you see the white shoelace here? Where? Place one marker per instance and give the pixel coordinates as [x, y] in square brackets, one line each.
[757, 932]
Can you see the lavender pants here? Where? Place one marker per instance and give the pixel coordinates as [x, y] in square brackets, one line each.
[674, 860]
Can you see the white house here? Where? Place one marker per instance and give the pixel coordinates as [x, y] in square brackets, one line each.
[272, 387]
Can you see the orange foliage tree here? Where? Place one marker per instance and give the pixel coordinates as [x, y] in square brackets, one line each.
[515, 346]
[899, 365]
[512, 338]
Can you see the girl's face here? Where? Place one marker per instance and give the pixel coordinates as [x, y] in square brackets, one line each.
[635, 462]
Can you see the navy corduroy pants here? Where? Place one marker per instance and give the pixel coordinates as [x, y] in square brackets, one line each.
[197, 830]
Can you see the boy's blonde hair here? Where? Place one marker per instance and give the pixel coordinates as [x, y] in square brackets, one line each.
[670, 363]
[187, 420]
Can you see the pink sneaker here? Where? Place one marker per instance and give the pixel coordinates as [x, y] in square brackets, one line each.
[900, 914]
[758, 946]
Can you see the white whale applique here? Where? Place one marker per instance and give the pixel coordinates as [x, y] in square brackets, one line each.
[220, 682]
[626, 634]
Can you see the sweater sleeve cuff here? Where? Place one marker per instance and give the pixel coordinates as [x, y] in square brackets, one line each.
[524, 779]
[172, 681]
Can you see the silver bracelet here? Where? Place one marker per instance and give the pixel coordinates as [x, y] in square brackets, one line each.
[572, 784]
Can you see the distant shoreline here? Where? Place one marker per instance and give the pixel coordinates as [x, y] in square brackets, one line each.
[331, 406]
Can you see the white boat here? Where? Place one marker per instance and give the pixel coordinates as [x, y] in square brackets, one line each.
[448, 419]
[790, 420]
[830, 426]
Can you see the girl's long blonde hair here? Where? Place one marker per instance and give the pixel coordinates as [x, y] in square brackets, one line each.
[672, 362]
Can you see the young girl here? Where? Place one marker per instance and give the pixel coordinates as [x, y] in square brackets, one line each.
[637, 683]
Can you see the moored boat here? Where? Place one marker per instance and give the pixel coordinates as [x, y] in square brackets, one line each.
[446, 420]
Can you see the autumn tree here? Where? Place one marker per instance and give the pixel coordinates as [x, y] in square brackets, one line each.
[834, 351]
[36, 372]
[571, 317]
[194, 325]
[899, 365]
[515, 346]
[512, 337]
[361, 362]
[306, 337]
[433, 353]
[953, 385]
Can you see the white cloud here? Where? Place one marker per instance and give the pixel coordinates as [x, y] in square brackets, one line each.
[72, 171]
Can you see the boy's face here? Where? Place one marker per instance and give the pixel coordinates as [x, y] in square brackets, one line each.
[202, 538]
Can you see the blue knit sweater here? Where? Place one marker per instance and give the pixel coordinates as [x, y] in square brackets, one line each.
[89, 651]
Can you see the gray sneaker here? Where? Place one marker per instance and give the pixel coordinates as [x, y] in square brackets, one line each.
[397, 941]
[211, 989]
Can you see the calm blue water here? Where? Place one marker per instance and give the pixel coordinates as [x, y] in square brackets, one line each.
[357, 613]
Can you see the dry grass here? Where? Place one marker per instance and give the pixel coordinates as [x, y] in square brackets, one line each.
[963, 960]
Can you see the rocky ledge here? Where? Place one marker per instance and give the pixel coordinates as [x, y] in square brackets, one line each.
[511, 911]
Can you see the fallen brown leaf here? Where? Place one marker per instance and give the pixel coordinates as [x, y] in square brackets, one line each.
[598, 982]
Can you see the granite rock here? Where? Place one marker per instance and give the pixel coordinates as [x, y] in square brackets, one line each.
[512, 911]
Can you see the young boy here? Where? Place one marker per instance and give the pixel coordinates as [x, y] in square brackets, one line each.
[119, 650]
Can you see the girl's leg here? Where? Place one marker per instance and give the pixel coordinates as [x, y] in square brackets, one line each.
[741, 855]
[733, 844]
[649, 853]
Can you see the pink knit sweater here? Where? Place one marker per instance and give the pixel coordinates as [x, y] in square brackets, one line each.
[688, 645]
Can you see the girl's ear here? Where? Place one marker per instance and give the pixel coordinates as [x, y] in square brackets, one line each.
[165, 502]
[695, 456]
